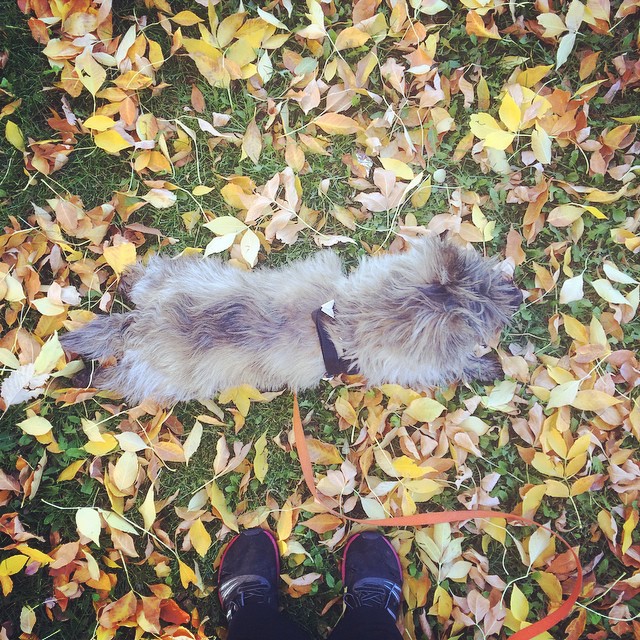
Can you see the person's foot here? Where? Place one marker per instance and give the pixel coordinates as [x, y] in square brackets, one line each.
[371, 573]
[249, 571]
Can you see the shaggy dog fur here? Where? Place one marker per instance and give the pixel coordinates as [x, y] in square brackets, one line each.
[200, 325]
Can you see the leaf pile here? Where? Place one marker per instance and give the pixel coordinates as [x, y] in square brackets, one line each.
[357, 125]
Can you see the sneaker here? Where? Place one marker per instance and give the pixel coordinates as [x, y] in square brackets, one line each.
[372, 573]
[249, 571]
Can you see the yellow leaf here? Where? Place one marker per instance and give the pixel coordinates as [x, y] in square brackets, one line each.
[69, 472]
[200, 538]
[564, 394]
[538, 542]
[12, 564]
[408, 468]
[219, 504]
[350, 38]
[532, 500]
[260, 465]
[422, 194]
[593, 400]
[530, 77]
[201, 190]
[49, 355]
[550, 584]
[346, 411]
[594, 211]
[111, 141]
[510, 113]
[556, 489]
[442, 604]
[424, 409]
[99, 123]
[627, 530]
[34, 554]
[35, 426]
[575, 329]
[14, 135]
[336, 123]
[119, 257]
[519, 604]
[187, 574]
[186, 18]
[543, 463]
[495, 527]
[285, 522]
[541, 145]
[582, 485]
[400, 169]
[581, 445]
[241, 396]
[148, 509]
[108, 444]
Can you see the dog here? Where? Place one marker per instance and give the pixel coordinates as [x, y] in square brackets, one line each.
[200, 325]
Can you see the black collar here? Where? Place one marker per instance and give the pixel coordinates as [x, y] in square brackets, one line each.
[334, 364]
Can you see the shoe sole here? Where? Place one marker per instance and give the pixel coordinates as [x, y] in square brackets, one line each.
[275, 549]
[346, 549]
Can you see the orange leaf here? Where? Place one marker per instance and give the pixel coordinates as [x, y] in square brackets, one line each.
[322, 523]
[171, 612]
[476, 27]
[119, 611]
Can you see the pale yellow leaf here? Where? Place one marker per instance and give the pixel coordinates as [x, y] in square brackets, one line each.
[35, 426]
[260, 464]
[126, 470]
[424, 409]
[89, 524]
[14, 135]
[350, 38]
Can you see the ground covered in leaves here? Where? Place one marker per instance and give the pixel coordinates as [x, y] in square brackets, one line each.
[262, 132]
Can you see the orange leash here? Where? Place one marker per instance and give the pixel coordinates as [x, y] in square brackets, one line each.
[421, 519]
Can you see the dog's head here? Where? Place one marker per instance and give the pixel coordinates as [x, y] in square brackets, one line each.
[466, 287]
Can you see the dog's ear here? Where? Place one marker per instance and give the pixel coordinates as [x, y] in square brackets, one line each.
[438, 295]
[436, 292]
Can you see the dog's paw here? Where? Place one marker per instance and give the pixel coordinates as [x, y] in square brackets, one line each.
[484, 369]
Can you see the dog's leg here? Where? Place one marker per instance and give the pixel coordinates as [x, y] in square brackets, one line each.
[100, 338]
[487, 368]
[132, 274]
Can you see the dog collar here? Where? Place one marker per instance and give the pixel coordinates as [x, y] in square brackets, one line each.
[334, 364]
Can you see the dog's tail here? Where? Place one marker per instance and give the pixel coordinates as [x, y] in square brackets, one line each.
[100, 338]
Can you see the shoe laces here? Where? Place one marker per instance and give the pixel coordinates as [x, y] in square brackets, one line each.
[374, 592]
[236, 592]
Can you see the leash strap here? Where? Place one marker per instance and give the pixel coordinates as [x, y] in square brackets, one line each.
[422, 519]
[333, 363]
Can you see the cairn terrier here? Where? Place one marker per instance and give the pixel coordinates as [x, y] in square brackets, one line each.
[200, 325]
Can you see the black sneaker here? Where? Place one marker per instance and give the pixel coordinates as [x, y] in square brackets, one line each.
[372, 573]
[249, 571]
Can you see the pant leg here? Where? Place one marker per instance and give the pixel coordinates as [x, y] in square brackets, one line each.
[365, 623]
[261, 622]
